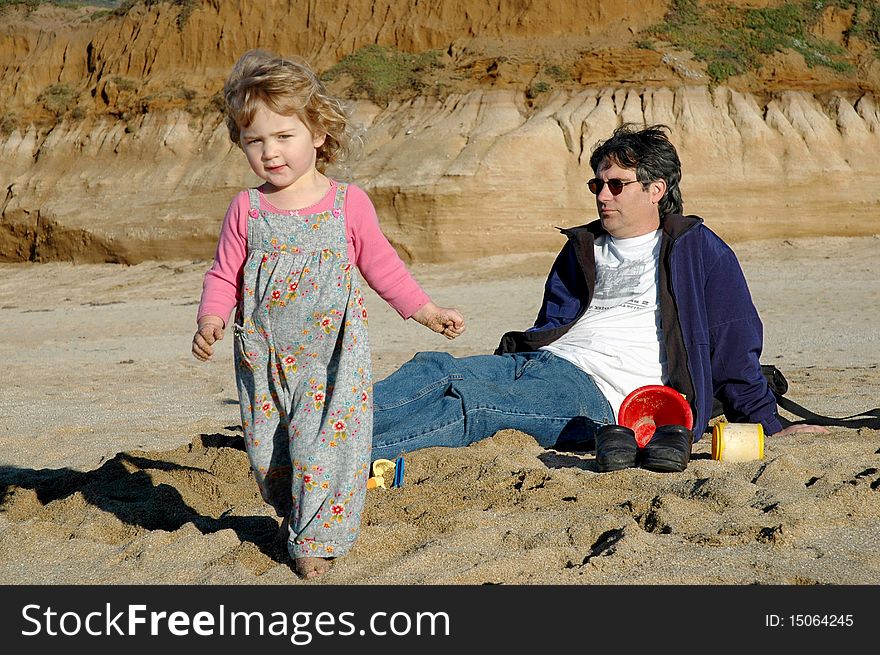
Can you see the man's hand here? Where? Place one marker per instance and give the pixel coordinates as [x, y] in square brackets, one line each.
[446, 321]
[791, 429]
[209, 332]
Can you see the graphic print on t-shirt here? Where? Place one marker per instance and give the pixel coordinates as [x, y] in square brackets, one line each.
[621, 286]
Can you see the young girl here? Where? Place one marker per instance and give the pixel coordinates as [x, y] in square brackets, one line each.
[288, 259]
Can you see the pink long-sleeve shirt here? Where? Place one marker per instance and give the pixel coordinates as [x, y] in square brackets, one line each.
[368, 249]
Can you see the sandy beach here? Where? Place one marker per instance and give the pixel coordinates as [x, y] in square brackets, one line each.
[121, 460]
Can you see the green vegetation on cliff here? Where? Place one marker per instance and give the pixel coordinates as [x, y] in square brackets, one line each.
[733, 40]
[382, 73]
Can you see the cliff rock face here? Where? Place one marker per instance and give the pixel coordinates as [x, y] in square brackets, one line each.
[475, 176]
[158, 49]
[478, 172]
[464, 177]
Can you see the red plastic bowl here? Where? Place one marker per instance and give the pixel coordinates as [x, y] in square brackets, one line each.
[648, 407]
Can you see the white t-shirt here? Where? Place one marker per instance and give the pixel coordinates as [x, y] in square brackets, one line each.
[618, 341]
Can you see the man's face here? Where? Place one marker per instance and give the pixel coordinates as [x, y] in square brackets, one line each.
[634, 211]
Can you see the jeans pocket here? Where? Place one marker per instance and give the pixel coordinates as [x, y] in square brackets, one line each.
[525, 361]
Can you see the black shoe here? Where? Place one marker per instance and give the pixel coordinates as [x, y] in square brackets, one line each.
[669, 450]
[616, 448]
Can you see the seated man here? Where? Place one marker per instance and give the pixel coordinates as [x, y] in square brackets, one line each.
[641, 296]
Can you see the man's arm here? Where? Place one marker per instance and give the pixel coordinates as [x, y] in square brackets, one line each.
[736, 341]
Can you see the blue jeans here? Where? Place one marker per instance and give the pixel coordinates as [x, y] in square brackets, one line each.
[436, 399]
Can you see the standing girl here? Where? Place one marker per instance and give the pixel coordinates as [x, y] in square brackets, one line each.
[288, 259]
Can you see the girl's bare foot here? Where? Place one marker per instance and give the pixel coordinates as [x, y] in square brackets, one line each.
[305, 567]
[311, 567]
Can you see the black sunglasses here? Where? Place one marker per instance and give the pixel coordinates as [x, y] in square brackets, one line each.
[614, 185]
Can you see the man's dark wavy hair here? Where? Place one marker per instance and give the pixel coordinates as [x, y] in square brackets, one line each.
[649, 152]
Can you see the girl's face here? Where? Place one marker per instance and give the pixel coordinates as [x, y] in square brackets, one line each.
[280, 149]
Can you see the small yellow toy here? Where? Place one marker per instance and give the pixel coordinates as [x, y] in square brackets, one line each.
[379, 468]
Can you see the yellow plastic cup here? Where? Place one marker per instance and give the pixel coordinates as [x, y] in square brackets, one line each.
[737, 442]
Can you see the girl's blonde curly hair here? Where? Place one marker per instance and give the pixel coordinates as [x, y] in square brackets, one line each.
[289, 87]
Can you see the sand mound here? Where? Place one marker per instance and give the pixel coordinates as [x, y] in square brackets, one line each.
[502, 511]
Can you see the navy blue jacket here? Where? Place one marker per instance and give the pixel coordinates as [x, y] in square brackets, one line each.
[712, 333]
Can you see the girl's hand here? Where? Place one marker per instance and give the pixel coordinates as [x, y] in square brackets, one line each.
[210, 331]
[448, 322]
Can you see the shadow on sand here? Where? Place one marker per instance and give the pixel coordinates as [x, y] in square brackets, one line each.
[125, 487]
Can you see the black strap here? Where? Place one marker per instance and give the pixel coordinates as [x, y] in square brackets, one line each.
[779, 385]
[867, 419]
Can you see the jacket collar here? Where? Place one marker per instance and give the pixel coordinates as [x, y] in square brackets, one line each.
[673, 226]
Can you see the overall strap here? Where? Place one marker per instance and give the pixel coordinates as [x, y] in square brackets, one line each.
[253, 212]
[339, 200]
[254, 198]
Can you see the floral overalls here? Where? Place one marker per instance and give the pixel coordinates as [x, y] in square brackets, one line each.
[302, 361]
